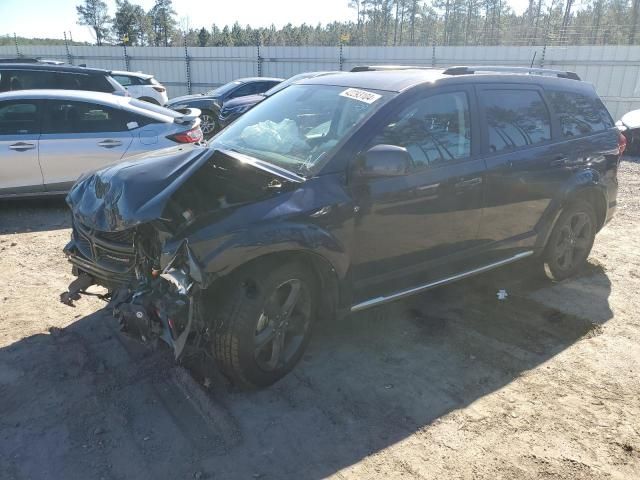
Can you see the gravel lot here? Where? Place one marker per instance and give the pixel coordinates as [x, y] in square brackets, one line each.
[450, 384]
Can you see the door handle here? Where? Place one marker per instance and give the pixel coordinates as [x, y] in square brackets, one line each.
[559, 161]
[22, 146]
[472, 182]
[109, 143]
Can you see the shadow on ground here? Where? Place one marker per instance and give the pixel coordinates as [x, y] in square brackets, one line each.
[33, 215]
[86, 402]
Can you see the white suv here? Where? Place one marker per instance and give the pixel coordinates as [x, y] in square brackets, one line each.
[142, 86]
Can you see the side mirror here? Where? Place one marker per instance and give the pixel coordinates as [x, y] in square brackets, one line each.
[384, 161]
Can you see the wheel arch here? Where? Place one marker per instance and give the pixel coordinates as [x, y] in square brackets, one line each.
[326, 275]
[590, 191]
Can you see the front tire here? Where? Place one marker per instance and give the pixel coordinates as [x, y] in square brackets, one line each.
[571, 240]
[265, 323]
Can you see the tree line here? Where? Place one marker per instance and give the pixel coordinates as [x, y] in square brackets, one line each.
[384, 22]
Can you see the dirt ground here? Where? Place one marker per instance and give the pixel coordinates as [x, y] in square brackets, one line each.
[450, 384]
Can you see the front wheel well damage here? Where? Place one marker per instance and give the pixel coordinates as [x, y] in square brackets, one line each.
[245, 275]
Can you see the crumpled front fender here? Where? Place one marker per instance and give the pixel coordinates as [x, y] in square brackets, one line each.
[222, 257]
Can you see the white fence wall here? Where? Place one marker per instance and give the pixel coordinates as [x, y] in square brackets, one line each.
[614, 70]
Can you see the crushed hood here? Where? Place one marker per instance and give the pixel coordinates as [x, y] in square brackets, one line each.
[135, 192]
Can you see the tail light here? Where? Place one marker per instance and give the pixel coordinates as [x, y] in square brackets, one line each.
[190, 136]
[160, 89]
[622, 143]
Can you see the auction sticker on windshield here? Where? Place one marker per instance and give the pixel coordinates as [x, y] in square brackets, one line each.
[360, 95]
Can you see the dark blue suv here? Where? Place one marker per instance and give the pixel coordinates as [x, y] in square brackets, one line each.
[341, 193]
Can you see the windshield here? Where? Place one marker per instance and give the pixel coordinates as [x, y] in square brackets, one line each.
[227, 87]
[287, 82]
[299, 128]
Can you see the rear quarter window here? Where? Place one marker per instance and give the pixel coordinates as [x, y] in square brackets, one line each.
[579, 114]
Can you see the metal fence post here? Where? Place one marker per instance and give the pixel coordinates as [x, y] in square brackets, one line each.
[66, 46]
[340, 57]
[544, 51]
[187, 63]
[259, 61]
[15, 41]
[127, 65]
[433, 55]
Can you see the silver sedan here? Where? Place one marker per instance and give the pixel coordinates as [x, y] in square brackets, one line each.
[49, 137]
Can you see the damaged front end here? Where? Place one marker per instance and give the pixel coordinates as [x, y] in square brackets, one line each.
[132, 225]
[151, 301]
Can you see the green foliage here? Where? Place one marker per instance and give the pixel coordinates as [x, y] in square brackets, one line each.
[8, 40]
[94, 14]
[163, 23]
[391, 22]
[130, 23]
[203, 37]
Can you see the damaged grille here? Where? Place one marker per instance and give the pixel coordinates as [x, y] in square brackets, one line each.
[108, 256]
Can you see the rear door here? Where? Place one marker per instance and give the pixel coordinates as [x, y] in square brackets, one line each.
[525, 165]
[79, 137]
[19, 133]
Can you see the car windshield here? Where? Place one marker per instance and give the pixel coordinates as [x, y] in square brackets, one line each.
[287, 82]
[299, 128]
[224, 88]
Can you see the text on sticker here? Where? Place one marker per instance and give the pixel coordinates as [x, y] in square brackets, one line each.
[361, 95]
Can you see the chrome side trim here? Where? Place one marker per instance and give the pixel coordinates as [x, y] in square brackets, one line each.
[405, 293]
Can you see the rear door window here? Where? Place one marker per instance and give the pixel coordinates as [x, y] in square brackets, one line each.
[83, 117]
[19, 117]
[123, 80]
[515, 119]
[26, 80]
[579, 114]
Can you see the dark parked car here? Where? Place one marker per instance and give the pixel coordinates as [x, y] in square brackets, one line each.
[211, 102]
[34, 74]
[342, 193]
[235, 107]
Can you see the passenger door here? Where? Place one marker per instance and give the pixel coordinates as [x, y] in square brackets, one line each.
[525, 167]
[19, 134]
[79, 137]
[409, 225]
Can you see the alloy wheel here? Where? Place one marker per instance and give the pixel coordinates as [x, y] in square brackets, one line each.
[282, 325]
[207, 124]
[574, 240]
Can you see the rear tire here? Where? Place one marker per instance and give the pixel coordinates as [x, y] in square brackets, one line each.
[571, 240]
[264, 323]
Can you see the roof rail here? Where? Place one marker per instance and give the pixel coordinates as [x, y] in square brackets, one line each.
[377, 68]
[19, 60]
[523, 70]
[31, 60]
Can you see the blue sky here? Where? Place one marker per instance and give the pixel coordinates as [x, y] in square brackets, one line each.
[49, 18]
